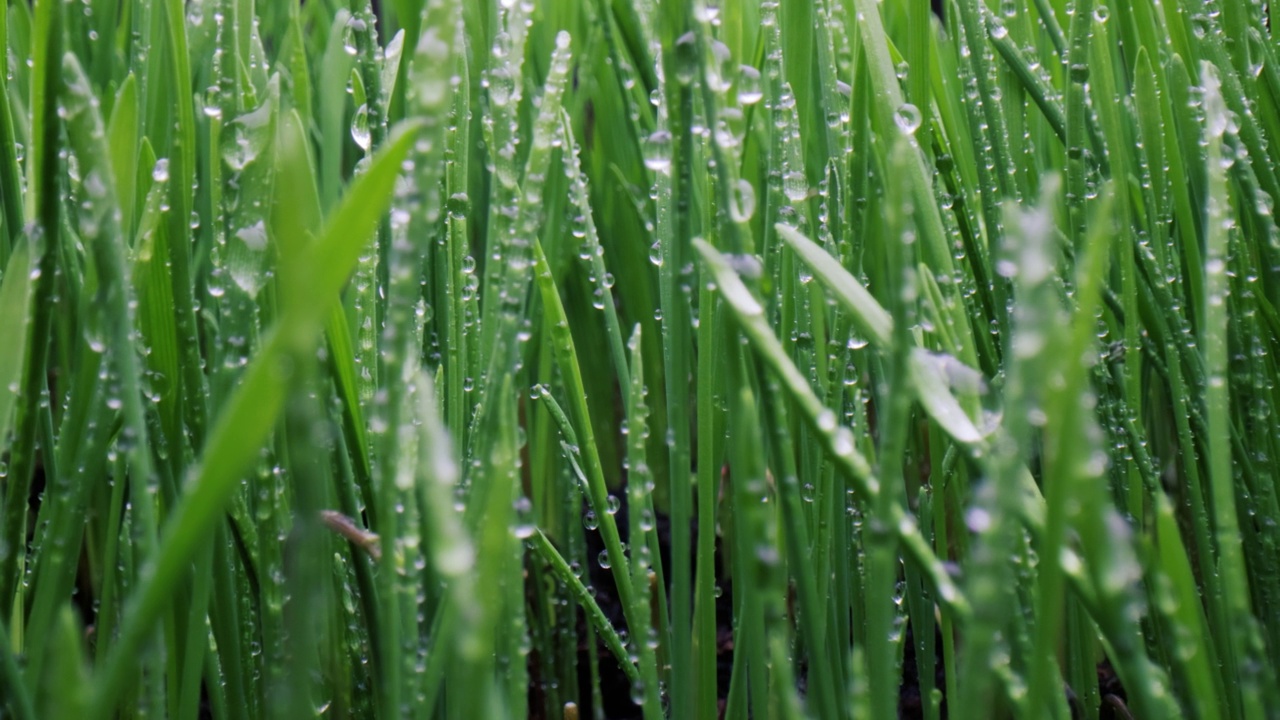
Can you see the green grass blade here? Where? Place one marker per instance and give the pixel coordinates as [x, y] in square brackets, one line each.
[16, 292]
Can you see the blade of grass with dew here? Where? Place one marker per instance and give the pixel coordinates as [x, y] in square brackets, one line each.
[11, 210]
[895, 402]
[645, 639]
[512, 232]
[480, 691]
[181, 163]
[755, 556]
[1044, 96]
[416, 207]
[449, 545]
[249, 417]
[156, 322]
[1238, 645]
[674, 224]
[505, 90]
[875, 324]
[16, 294]
[1111, 565]
[454, 265]
[42, 201]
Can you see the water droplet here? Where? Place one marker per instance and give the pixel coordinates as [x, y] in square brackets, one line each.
[795, 186]
[907, 118]
[360, 128]
[749, 92]
[719, 75]
[744, 202]
[657, 151]
[686, 58]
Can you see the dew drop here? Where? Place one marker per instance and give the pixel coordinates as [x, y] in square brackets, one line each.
[907, 118]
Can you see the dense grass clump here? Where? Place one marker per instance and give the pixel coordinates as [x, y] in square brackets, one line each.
[639, 358]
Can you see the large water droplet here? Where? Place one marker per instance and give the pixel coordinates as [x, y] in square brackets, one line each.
[907, 118]
[795, 186]
[743, 205]
[360, 128]
[657, 151]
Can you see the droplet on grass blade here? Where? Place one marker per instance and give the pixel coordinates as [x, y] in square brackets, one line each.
[686, 58]
[795, 186]
[743, 205]
[749, 92]
[907, 118]
[657, 151]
